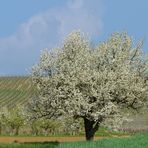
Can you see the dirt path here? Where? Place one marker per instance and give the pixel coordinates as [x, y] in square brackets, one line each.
[43, 139]
[51, 139]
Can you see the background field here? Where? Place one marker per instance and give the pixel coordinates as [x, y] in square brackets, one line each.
[15, 91]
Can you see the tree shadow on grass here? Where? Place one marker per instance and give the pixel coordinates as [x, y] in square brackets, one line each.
[52, 144]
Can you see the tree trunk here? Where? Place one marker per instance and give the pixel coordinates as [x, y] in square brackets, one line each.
[16, 131]
[90, 128]
[0, 128]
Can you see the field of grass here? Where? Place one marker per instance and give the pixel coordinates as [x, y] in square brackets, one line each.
[138, 141]
[15, 91]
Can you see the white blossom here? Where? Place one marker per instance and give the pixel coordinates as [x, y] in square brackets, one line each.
[93, 83]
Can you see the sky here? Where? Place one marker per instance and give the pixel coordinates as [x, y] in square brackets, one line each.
[29, 26]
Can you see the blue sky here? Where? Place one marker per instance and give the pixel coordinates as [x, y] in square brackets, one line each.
[28, 26]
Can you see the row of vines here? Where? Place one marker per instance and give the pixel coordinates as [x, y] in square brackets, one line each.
[15, 91]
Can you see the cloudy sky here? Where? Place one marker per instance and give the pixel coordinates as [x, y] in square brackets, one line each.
[28, 26]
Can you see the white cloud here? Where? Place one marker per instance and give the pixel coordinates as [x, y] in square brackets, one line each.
[46, 30]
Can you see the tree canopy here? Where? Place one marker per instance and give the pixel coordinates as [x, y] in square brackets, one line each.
[93, 83]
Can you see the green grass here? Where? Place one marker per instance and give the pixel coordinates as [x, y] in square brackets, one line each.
[31, 145]
[138, 141]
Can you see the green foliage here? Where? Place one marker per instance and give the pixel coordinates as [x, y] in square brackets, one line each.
[72, 126]
[14, 119]
[44, 126]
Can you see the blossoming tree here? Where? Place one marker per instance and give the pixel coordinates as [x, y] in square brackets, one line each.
[93, 83]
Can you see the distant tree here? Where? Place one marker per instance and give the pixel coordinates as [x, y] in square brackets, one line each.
[44, 126]
[3, 114]
[35, 127]
[93, 83]
[71, 126]
[1, 119]
[14, 119]
[49, 126]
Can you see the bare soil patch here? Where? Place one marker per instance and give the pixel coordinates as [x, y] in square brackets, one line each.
[52, 139]
[43, 139]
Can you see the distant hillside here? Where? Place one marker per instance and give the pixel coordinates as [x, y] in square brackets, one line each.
[15, 90]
